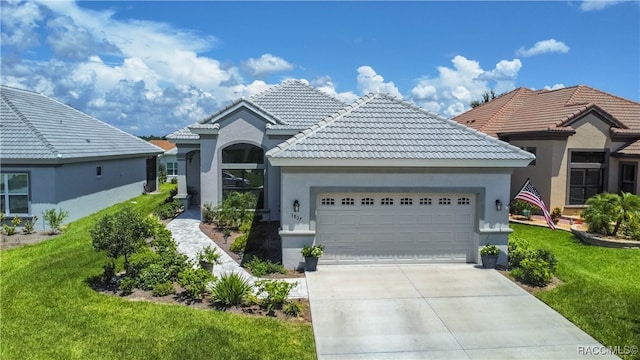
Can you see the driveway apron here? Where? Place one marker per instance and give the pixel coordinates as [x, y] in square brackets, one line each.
[441, 311]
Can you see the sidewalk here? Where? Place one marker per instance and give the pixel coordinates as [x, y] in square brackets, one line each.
[186, 232]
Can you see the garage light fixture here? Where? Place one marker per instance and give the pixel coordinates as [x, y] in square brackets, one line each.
[296, 206]
[498, 205]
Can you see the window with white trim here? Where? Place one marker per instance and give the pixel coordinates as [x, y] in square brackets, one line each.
[172, 168]
[328, 201]
[386, 201]
[348, 201]
[366, 201]
[14, 193]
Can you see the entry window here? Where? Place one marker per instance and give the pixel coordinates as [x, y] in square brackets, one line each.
[366, 201]
[328, 201]
[425, 201]
[14, 193]
[628, 178]
[444, 201]
[172, 168]
[586, 175]
[98, 171]
[406, 201]
[386, 201]
[464, 201]
[243, 171]
[348, 201]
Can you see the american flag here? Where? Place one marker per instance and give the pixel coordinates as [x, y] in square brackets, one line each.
[532, 196]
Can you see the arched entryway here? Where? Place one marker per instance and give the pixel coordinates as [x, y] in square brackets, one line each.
[243, 170]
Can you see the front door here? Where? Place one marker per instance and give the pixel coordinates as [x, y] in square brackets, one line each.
[152, 174]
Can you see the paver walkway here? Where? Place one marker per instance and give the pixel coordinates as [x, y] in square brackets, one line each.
[186, 232]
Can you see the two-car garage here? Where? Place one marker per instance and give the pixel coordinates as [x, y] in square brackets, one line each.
[395, 227]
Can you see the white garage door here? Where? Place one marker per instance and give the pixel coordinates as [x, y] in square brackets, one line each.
[395, 228]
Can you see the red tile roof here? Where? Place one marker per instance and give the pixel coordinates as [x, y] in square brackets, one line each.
[164, 144]
[523, 110]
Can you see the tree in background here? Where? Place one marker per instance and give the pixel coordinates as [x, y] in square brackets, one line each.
[486, 97]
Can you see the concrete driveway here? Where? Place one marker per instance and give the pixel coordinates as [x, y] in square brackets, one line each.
[449, 311]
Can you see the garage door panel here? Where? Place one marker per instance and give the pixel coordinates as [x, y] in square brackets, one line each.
[397, 231]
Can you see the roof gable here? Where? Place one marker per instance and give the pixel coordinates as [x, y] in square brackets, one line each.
[523, 110]
[36, 128]
[383, 131]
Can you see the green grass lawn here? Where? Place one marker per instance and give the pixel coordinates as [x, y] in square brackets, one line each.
[601, 286]
[48, 311]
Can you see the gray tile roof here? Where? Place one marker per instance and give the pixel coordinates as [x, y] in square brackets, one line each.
[381, 127]
[292, 105]
[35, 128]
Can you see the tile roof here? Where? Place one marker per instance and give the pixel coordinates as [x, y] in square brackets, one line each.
[524, 110]
[632, 149]
[163, 144]
[379, 126]
[36, 128]
[292, 105]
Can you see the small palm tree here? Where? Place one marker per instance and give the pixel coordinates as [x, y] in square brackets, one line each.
[601, 213]
[628, 204]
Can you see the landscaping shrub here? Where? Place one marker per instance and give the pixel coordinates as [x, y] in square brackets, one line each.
[127, 285]
[11, 229]
[518, 250]
[236, 209]
[556, 214]
[162, 173]
[239, 244]
[548, 257]
[174, 181]
[533, 271]
[209, 255]
[27, 228]
[208, 213]
[230, 290]
[631, 229]
[169, 209]
[275, 293]
[292, 309]
[607, 213]
[259, 267]
[55, 219]
[163, 289]
[195, 281]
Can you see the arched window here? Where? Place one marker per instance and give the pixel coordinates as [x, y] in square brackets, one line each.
[243, 171]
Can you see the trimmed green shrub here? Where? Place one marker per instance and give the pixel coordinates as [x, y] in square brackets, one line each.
[230, 290]
[292, 309]
[533, 271]
[518, 250]
[209, 255]
[208, 213]
[195, 281]
[27, 228]
[239, 244]
[163, 289]
[236, 209]
[127, 285]
[55, 219]
[548, 257]
[274, 292]
[11, 229]
[259, 267]
[174, 181]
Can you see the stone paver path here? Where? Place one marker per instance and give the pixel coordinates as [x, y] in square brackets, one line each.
[186, 232]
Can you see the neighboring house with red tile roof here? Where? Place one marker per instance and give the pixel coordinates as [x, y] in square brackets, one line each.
[168, 158]
[586, 141]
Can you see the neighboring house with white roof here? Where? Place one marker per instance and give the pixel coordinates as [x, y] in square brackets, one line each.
[54, 156]
[168, 158]
[377, 181]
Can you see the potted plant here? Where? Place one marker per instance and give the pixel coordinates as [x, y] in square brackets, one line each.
[489, 254]
[311, 255]
[208, 257]
[556, 214]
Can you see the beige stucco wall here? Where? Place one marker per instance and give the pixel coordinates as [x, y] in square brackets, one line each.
[550, 174]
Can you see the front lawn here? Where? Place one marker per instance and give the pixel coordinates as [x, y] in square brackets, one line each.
[49, 311]
[601, 286]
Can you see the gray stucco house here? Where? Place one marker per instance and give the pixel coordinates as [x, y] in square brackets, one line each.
[376, 181]
[54, 156]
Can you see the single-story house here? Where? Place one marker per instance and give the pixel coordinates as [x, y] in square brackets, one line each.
[168, 158]
[54, 156]
[376, 181]
[586, 141]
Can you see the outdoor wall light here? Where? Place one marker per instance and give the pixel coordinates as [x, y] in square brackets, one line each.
[498, 205]
[296, 206]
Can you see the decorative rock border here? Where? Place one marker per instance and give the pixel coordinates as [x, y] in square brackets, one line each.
[598, 241]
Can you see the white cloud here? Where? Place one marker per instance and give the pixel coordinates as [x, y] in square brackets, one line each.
[595, 5]
[19, 21]
[455, 88]
[369, 81]
[543, 47]
[265, 65]
[326, 85]
[555, 87]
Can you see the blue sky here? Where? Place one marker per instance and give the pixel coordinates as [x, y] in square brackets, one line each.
[154, 67]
